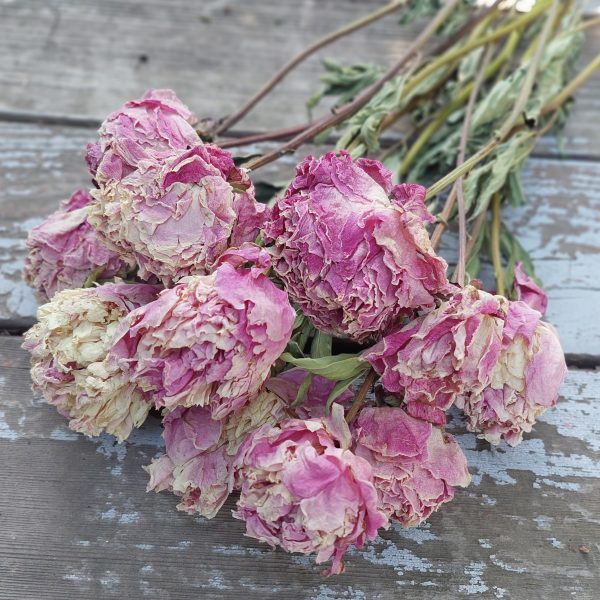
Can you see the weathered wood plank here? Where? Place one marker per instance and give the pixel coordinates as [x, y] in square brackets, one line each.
[41, 164]
[84, 58]
[75, 521]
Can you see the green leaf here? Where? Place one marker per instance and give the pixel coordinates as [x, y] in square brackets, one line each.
[294, 348]
[339, 389]
[301, 394]
[336, 368]
[321, 345]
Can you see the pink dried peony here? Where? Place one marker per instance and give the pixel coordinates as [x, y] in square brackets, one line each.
[175, 216]
[304, 490]
[69, 366]
[352, 249]
[415, 466]
[200, 451]
[151, 128]
[65, 249]
[211, 340]
[529, 291]
[524, 382]
[496, 359]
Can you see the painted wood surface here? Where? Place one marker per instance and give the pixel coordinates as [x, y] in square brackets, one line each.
[80, 59]
[75, 521]
[41, 164]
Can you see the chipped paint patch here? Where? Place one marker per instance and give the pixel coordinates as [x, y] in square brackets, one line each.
[420, 534]
[530, 456]
[385, 552]
[496, 561]
[64, 435]
[128, 518]
[237, 550]
[6, 432]
[327, 593]
[543, 522]
[109, 515]
[476, 584]
[144, 546]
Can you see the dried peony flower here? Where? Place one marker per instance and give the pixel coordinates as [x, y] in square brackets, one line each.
[200, 451]
[212, 339]
[64, 250]
[69, 346]
[529, 291]
[352, 249]
[304, 490]
[151, 128]
[415, 466]
[524, 382]
[496, 359]
[174, 217]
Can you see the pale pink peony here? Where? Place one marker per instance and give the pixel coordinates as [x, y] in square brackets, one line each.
[524, 382]
[415, 466]
[200, 451]
[529, 291]
[212, 339]
[64, 250]
[496, 359]
[151, 128]
[174, 217]
[352, 249]
[304, 490]
[69, 346]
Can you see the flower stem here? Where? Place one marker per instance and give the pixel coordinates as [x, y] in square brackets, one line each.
[495, 241]
[460, 195]
[267, 136]
[351, 107]
[361, 395]
[572, 86]
[296, 60]
[460, 99]
[514, 116]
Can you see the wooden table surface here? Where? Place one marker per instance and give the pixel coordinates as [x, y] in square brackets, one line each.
[75, 521]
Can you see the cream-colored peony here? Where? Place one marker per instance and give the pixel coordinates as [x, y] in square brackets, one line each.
[69, 366]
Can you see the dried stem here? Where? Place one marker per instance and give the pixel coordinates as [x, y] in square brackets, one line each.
[361, 395]
[496, 254]
[460, 194]
[294, 62]
[514, 116]
[572, 86]
[267, 136]
[351, 107]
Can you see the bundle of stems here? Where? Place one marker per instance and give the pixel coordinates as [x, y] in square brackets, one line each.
[467, 99]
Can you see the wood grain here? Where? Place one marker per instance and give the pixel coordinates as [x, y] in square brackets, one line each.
[41, 164]
[75, 521]
[83, 58]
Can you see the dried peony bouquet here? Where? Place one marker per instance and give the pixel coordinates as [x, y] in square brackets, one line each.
[303, 354]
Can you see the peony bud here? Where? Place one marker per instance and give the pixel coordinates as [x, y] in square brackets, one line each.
[151, 128]
[200, 451]
[175, 216]
[496, 359]
[69, 366]
[304, 490]
[64, 250]
[415, 466]
[211, 340]
[352, 249]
